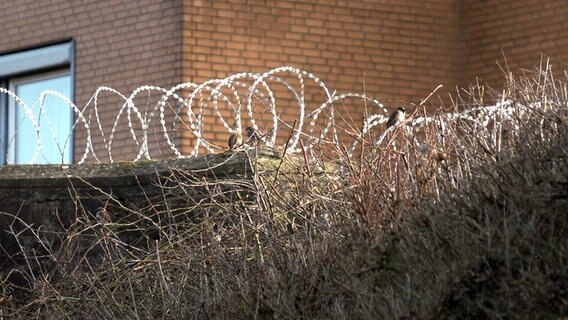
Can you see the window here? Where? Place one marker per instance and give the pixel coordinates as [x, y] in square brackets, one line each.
[53, 117]
[28, 74]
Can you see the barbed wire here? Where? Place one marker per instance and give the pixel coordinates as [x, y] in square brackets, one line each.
[193, 100]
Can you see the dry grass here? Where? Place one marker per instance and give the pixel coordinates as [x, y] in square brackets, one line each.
[456, 221]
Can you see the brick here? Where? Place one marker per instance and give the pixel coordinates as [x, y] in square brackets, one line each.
[404, 48]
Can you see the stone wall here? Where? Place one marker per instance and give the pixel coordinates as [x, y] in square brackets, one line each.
[50, 214]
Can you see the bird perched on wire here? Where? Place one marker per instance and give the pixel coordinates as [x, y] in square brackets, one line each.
[396, 117]
[235, 140]
[252, 136]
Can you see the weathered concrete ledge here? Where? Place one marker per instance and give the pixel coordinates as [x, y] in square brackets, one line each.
[40, 203]
[48, 213]
[225, 164]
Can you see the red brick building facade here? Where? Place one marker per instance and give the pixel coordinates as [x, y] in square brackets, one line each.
[397, 51]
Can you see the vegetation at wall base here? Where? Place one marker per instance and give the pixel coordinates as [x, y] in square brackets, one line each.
[461, 221]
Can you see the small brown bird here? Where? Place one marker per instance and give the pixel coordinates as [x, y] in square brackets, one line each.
[103, 216]
[396, 117]
[441, 156]
[252, 136]
[235, 140]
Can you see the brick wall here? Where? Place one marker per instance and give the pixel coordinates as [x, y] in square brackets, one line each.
[512, 33]
[121, 44]
[397, 51]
